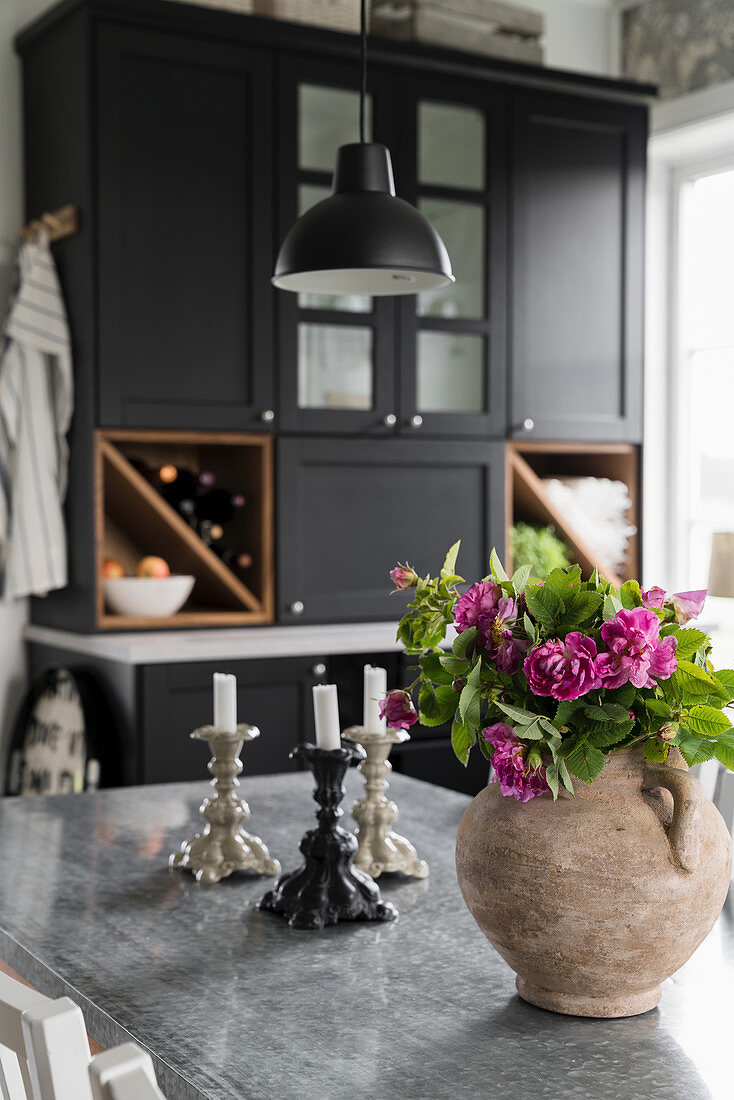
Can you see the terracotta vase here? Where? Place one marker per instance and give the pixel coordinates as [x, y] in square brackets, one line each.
[594, 900]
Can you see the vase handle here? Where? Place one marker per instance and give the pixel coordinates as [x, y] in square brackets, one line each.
[684, 833]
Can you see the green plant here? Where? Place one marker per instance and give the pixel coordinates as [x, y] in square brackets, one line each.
[538, 547]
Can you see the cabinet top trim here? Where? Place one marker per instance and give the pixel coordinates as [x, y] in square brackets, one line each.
[255, 30]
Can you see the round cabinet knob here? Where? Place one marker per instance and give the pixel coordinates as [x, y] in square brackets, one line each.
[296, 607]
[528, 424]
[319, 669]
[267, 416]
[416, 421]
[390, 420]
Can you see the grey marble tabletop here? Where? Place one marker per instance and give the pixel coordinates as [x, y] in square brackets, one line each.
[232, 1003]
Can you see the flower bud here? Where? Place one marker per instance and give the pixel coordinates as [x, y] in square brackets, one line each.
[404, 576]
[458, 685]
[535, 760]
[668, 732]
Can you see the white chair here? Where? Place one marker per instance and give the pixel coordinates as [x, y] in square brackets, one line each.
[44, 1053]
[44, 1050]
[124, 1073]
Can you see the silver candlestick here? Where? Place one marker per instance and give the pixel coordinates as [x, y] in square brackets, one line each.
[380, 849]
[224, 846]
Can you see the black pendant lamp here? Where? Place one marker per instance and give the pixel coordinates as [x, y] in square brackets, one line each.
[363, 239]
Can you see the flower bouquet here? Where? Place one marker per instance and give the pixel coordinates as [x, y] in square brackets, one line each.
[549, 676]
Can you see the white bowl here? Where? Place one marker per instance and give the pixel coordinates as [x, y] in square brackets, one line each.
[147, 597]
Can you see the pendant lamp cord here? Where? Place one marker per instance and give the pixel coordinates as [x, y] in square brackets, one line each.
[363, 66]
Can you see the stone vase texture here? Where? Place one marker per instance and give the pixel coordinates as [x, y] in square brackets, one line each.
[595, 900]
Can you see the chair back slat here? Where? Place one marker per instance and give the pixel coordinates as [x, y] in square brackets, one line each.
[58, 1051]
[11, 1079]
[124, 1073]
[15, 999]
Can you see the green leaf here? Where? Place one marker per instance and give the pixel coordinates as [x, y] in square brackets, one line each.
[544, 604]
[725, 677]
[565, 776]
[624, 695]
[520, 578]
[519, 715]
[456, 666]
[691, 680]
[582, 608]
[551, 778]
[471, 698]
[630, 595]
[584, 760]
[462, 739]
[484, 748]
[724, 750]
[655, 751]
[707, 721]
[449, 565]
[529, 625]
[695, 751]
[688, 642]
[611, 734]
[464, 641]
[433, 668]
[608, 712]
[566, 708]
[611, 606]
[496, 568]
[436, 704]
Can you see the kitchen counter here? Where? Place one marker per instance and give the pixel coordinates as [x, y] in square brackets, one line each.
[233, 1005]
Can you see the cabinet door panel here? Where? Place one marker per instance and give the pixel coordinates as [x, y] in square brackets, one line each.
[453, 165]
[271, 694]
[577, 242]
[185, 245]
[350, 509]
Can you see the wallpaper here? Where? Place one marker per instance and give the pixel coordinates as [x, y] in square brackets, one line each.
[680, 45]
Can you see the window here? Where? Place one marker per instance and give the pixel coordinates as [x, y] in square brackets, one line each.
[702, 440]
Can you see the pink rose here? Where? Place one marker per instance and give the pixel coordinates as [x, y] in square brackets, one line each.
[653, 597]
[404, 576]
[563, 669]
[636, 653]
[510, 767]
[397, 708]
[476, 604]
[688, 605]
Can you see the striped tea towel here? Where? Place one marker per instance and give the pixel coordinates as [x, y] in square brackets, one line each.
[36, 405]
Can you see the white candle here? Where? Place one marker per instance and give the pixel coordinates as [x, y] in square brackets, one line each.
[375, 688]
[326, 716]
[225, 702]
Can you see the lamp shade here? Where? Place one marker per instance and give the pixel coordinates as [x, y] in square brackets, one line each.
[363, 239]
[721, 572]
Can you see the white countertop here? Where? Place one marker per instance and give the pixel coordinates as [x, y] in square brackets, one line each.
[243, 643]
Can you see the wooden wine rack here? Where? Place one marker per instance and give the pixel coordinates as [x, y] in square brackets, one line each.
[133, 520]
[526, 499]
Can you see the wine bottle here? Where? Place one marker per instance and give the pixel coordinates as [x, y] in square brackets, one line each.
[218, 505]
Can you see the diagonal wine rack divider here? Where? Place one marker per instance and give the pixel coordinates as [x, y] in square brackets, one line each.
[527, 499]
[128, 503]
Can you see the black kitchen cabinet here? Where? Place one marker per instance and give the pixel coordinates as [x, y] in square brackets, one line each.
[348, 510]
[274, 695]
[184, 231]
[578, 195]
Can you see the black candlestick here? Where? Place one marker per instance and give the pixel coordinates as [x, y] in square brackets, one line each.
[327, 889]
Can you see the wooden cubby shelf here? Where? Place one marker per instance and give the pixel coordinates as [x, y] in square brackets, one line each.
[528, 463]
[133, 520]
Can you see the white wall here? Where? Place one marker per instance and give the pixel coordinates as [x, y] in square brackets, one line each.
[579, 34]
[14, 14]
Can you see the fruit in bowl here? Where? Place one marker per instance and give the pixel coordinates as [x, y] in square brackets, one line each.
[111, 567]
[154, 593]
[152, 566]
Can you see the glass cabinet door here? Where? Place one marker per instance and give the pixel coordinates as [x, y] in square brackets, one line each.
[336, 351]
[452, 339]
